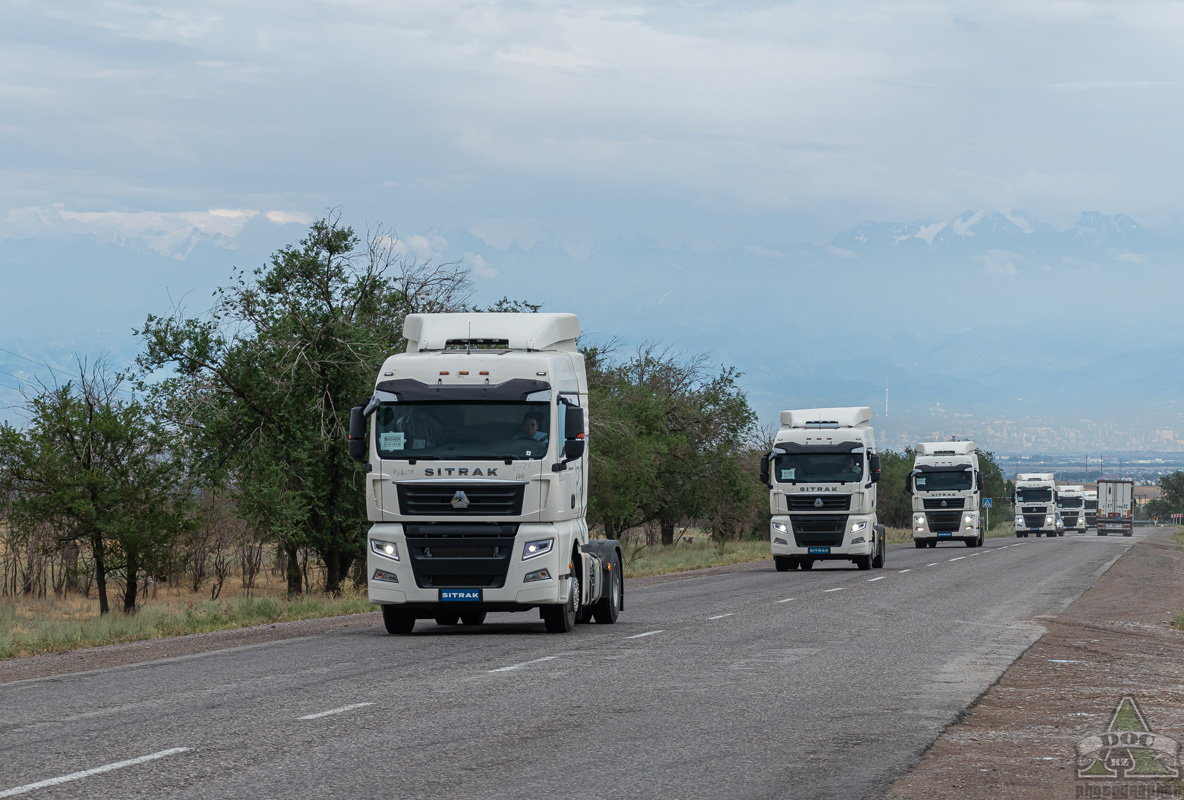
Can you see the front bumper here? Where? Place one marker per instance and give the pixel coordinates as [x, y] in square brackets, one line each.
[393, 581]
[784, 542]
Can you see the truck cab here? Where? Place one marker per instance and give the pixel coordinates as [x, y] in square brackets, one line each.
[822, 475]
[1071, 504]
[477, 475]
[946, 486]
[1090, 504]
[1035, 502]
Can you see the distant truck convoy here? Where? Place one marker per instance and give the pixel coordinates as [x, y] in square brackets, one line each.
[1035, 502]
[1091, 509]
[1116, 502]
[1071, 504]
[946, 484]
[822, 476]
[477, 476]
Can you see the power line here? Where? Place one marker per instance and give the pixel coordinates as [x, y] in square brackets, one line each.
[31, 361]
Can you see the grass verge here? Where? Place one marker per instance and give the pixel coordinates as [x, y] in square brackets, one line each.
[32, 627]
[645, 560]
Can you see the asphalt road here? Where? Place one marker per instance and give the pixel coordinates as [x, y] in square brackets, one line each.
[745, 684]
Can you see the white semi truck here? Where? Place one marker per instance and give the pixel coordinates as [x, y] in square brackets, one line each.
[822, 476]
[1116, 503]
[1071, 504]
[477, 476]
[1035, 502]
[946, 484]
[1091, 509]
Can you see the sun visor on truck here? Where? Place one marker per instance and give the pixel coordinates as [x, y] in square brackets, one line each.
[934, 468]
[837, 447]
[515, 390]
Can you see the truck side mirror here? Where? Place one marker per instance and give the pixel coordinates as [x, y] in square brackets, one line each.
[908, 483]
[573, 423]
[765, 469]
[357, 434]
[573, 449]
[874, 466]
[980, 480]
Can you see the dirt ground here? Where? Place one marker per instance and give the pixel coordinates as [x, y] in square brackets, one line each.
[1021, 740]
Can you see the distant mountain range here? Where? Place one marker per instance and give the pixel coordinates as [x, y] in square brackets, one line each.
[985, 316]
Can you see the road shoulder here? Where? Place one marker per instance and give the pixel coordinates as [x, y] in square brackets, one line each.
[1019, 741]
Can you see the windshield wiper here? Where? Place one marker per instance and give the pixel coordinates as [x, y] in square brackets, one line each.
[424, 458]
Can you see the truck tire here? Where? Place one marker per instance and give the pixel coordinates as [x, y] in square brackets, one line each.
[878, 560]
[448, 618]
[863, 562]
[783, 563]
[562, 618]
[933, 542]
[920, 543]
[806, 563]
[398, 621]
[607, 609]
[472, 618]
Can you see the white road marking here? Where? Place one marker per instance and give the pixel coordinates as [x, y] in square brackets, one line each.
[837, 589]
[333, 711]
[959, 558]
[873, 580]
[77, 776]
[786, 600]
[721, 616]
[934, 564]
[972, 555]
[910, 569]
[523, 664]
[647, 633]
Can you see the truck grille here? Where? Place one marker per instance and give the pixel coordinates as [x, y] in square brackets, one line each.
[950, 502]
[484, 499]
[944, 521]
[1070, 519]
[473, 555]
[1034, 510]
[809, 502]
[818, 529]
[1034, 520]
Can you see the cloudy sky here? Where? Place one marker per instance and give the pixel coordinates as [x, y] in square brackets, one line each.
[729, 126]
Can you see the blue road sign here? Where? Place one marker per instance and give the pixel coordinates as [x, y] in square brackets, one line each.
[986, 502]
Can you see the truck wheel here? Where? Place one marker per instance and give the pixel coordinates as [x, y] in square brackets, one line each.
[561, 619]
[863, 562]
[472, 618]
[878, 560]
[933, 542]
[447, 619]
[783, 563]
[609, 608]
[806, 563]
[920, 543]
[398, 621]
[1129, 533]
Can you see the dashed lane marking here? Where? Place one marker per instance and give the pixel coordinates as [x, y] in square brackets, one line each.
[647, 633]
[836, 589]
[959, 558]
[523, 664]
[786, 600]
[873, 580]
[86, 773]
[910, 569]
[721, 616]
[934, 564]
[333, 711]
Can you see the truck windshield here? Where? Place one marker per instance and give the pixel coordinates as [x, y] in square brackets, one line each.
[1033, 495]
[822, 467]
[463, 430]
[1091, 504]
[1069, 502]
[944, 481]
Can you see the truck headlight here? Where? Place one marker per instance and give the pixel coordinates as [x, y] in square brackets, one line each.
[537, 548]
[856, 527]
[780, 527]
[918, 519]
[537, 575]
[779, 540]
[386, 549]
[1019, 521]
[1048, 520]
[383, 575]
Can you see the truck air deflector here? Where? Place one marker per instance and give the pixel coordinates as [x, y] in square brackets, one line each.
[837, 447]
[515, 390]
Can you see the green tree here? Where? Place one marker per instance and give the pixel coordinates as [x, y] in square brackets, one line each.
[100, 472]
[894, 506]
[262, 386]
[668, 444]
